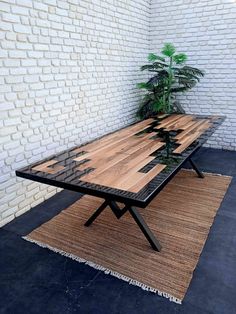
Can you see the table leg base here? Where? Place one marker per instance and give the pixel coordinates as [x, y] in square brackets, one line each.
[145, 229]
[96, 214]
[194, 166]
[119, 212]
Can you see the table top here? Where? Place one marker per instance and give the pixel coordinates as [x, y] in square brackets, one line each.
[130, 165]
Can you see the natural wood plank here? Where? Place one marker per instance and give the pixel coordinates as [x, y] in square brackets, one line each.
[162, 115]
[149, 146]
[125, 181]
[45, 167]
[203, 126]
[116, 146]
[169, 118]
[180, 123]
[109, 175]
[116, 136]
[189, 129]
[104, 164]
[109, 158]
[146, 178]
[135, 181]
[188, 124]
[55, 169]
[168, 121]
[115, 162]
[189, 140]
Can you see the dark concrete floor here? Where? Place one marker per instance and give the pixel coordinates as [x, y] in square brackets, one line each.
[36, 280]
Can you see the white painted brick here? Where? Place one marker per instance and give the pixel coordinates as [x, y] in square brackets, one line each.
[20, 10]
[5, 7]
[18, 54]
[8, 45]
[11, 63]
[6, 220]
[71, 65]
[10, 36]
[24, 210]
[12, 121]
[16, 200]
[13, 79]
[9, 212]
[25, 3]
[40, 6]
[10, 18]
[19, 28]
[28, 63]
[5, 26]
[35, 54]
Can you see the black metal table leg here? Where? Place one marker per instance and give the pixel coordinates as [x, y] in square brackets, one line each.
[145, 229]
[96, 214]
[118, 212]
[199, 173]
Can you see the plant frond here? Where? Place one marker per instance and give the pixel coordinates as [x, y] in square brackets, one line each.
[154, 66]
[158, 105]
[188, 83]
[146, 67]
[192, 70]
[160, 64]
[143, 85]
[179, 89]
[150, 67]
[187, 76]
[154, 57]
[145, 110]
[168, 50]
[162, 75]
[180, 58]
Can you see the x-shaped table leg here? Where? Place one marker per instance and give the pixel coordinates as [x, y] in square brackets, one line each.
[136, 216]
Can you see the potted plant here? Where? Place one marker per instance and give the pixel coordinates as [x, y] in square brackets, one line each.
[171, 76]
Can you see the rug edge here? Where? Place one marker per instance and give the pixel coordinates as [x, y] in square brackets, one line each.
[105, 270]
[210, 173]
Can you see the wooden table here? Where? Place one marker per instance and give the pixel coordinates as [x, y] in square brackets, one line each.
[129, 166]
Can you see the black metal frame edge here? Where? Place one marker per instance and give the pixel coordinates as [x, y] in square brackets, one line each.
[106, 194]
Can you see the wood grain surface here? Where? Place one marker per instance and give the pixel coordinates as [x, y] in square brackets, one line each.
[116, 160]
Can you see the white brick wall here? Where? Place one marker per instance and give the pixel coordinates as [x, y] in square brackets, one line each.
[68, 74]
[206, 31]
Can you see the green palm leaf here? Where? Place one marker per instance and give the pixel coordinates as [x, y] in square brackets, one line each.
[162, 75]
[180, 58]
[188, 83]
[143, 85]
[168, 50]
[154, 57]
[179, 89]
[192, 70]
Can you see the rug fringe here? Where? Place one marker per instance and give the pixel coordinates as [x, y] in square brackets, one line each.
[106, 271]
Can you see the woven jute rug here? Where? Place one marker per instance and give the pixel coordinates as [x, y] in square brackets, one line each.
[180, 217]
